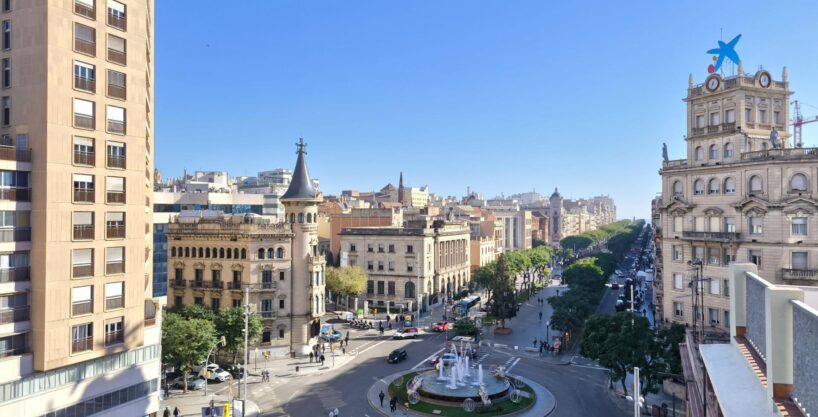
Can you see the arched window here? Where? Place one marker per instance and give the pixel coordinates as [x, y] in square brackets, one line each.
[713, 186]
[201, 252]
[261, 253]
[243, 253]
[221, 253]
[292, 217]
[215, 252]
[678, 189]
[798, 182]
[235, 253]
[207, 252]
[729, 186]
[270, 253]
[699, 153]
[409, 290]
[173, 251]
[728, 150]
[187, 252]
[755, 184]
[714, 152]
[280, 253]
[309, 217]
[698, 187]
[229, 253]
[301, 217]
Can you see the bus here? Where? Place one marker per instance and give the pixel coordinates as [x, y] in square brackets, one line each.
[462, 307]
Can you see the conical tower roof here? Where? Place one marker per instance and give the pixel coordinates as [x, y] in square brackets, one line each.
[301, 185]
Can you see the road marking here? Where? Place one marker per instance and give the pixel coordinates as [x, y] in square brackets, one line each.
[291, 396]
[427, 359]
[375, 345]
[598, 368]
[512, 365]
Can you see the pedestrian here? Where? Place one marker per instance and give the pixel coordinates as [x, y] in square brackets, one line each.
[381, 395]
[311, 356]
[175, 411]
[393, 404]
[343, 351]
[390, 326]
[323, 348]
[167, 412]
[535, 342]
[346, 338]
[540, 315]
[322, 360]
[335, 412]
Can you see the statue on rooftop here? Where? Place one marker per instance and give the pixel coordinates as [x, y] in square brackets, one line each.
[664, 151]
[774, 138]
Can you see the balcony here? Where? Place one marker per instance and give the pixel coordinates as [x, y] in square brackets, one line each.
[85, 47]
[117, 267]
[316, 259]
[83, 231]
[234, 286]
[83, 10]
[268, 314]
[85, 84]
[84, 158]
[80, 271]
[713, 129]
[15, 274]
[728, 127]
[116, 161]
[117, 21]
[83, 195]
[15, 194]
[117, 91]
[117, 57]
[113, 338]
[197, 283]
[113, 303]
[81, 345]
[14, 315]
[177, 283]
[83, 121]
[17, 234]
[216, 285]
[116, 126]
[789, 154]
[711, 236]
[675, 164]
[800, 274]
[10, 153]
[697, 131]
[82, 307]
[268, 285]
[115, 232]
[115, 197]
[14, 351]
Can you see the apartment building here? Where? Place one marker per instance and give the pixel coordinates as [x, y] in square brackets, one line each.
[80, 330]
[516, 223]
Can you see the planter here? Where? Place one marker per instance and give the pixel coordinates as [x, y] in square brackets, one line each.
[502, 331]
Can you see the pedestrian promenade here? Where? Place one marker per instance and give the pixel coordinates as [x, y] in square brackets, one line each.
[191, 404]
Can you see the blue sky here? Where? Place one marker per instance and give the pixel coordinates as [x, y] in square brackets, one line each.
[501, 96]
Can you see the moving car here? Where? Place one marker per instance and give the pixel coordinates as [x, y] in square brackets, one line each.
[219, 374]
[194, 382]
[201, 365]
[447, 358]
[406, 333]
[440, 326]
[396, 356]
[614, 286]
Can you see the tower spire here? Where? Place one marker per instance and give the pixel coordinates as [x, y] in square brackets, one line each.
[401, 193]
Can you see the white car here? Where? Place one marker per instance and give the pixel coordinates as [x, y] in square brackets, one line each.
[210, 365]
[406, 333]
[219, 374]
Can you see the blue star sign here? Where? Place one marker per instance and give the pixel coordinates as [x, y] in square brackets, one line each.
[725, 50]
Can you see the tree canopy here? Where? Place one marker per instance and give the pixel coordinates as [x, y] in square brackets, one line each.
[346, 280]
[185, 342]
[230, 324]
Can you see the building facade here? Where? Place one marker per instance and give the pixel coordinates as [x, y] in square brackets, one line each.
[573, 217]
[76, 266]
[742, 194]
[516, 223]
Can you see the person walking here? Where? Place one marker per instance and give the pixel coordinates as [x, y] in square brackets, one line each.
[167, 411]
[540, 315]
[311, 356]
[346, 338]
[541, 349]
[393, 404]
[175, 411]
[381, 395]
[322, 359]
[535, 342]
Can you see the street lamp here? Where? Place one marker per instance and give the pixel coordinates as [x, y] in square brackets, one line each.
[222, 341]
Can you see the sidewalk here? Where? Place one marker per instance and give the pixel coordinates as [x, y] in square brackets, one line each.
[286, 367]
[191, 404]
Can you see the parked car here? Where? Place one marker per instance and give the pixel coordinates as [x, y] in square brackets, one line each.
[210, 365]
[396, 356]
[406, 333]
[440, 326]
[194, 382]
[219, 374]
[614, 285]
[236, 371]
[447, 358]
[620, 305]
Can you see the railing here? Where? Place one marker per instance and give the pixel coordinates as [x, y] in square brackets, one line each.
[84, 83]
[116, 161]
[114, 267]
[219, 284]
[115, 232]
[713, 129]
[14, 315]
[113, 303]
[81, 345]
[789, 154]
[83, 195]
[83, 121]
[17, 234]
[112, 338]
[117, 91]
[268, 314]
[177, 283]
[197, 283]
[675, 164]
[268, 285]
[115, 197]
[83, 231]
[696, 131]
[115, 126]
[720, 236]
[15, 351]
[15, 274]
[83, 270]
[117, 57]
[800, 274]
[85, 47]
[234, 286]
[316, 259]
[10, 153]
[118, 22]
[15, 194]
[83, 10]
[85, 158]
[728, 127]
[82, 307]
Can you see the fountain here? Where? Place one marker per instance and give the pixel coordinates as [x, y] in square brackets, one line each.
[460, 385]
[479, 376]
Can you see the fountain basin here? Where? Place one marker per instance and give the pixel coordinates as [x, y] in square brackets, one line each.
[433, 389]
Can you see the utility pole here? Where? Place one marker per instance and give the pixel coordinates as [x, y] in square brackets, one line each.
[246, 335]
[417, 291]
[632, 311]
[636, 396]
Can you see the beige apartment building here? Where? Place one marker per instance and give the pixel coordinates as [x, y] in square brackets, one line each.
[483, 251]
[736, 196]
[80, 327]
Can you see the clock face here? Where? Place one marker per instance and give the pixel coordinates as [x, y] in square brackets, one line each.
[713, 83]
[764, 79]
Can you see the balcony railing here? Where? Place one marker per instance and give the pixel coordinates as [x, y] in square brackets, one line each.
[83, 270]
[696, 131]
[83, 195]
[268, 314]
[83, 307]
[17, 234]
[115, 197]
[81, 345]
[83, 231]
[83, 10]
[113, 303]
[84, 158]
[117, 91]
[789, 154]
[234, 286]
[115, 232]
[268, 285]
[83, 121]
[15, 194]
[112, 338]
[117, 57]
[16, 274]
[713, 129]
[115, 126]
[117, 267]
[14, 351]
[85, 47]
[10, 153]
[728, 127]
[118, 22]
[800, 274]
[116, 161]
[14, 315]
[675, 164]
[716, 236]
[86, 84]
[177, 283]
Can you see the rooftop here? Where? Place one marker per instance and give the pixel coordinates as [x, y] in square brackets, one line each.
[735, 385]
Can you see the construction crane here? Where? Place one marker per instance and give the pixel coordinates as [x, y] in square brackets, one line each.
[798, 122]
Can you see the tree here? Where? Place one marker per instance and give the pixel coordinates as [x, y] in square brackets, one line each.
[669, 339]
[197, 311]
[465, 327]
[504, 305]
[230, 324]
[186, 342]
[346, 280]
[539, 257]
[607, 262]
[517, 262]
[577, 242]
[484, 277]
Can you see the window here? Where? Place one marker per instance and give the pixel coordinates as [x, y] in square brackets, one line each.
[116, 85]
[267, 308]
[756, 225]
[116, 119]
[730, 224]
[748, 115]
[114, 190]
[391, 248]
[698, 253]
[280, 334]
[714, 119]
[698, 187]
[14, 267]
[352, 247]
[678, 224]
[391, 265]
[715, 224]
[6, 72]
[82, 262]
[198, 301]
[755, 257]
[7, 34]
[677, 253]
[800, 261]
[726, 287]
[13, 345]
[261, 253]
[266, 280]
[410, 267]
[84, 114]
[391, 288]
[370, 247]
[85, 39]
[115, 156]
[280, 253]
[678, 188]
[116, 50]
[713, 315]
[726, 318]
[6, 6]
[700, 121]
[15, 226]
[798, 183]
[713, 152]
[755, 184]
[179, 274]
[82, 337]
[410, 249]
[380, 265]
[281, 276]
[370, 266]
[114, 295]
[730, 116]
[280, 303]
[678, 310]
[777, 117]
[114, 260]
[380, 247]
[83, 151]
[714, 186]
[215, 305]
[370, 287]
[83, 225]
[799, 226]
[699, 153]
[678, 282]
[729, 186]
[82, 300]
[6, 110]
[115, 225]
[698, 224]
[85, 76]
[85, 8]
[728, 150]
[301, 217]
[380, 287]
[715, 286]
[762, 116]
[116, 15]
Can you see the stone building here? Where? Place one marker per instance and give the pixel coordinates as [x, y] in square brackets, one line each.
[572, 217]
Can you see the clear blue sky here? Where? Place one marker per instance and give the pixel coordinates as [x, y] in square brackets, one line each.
[502, 96]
